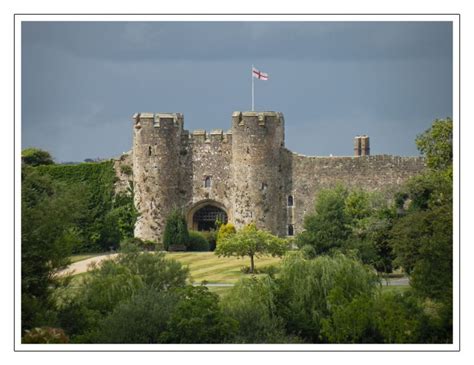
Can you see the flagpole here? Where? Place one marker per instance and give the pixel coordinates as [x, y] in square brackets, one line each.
[251, 75]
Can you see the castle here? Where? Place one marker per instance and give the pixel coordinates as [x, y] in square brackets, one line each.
[244, 175]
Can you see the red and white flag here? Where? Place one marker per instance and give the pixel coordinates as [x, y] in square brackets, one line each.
[259, 75]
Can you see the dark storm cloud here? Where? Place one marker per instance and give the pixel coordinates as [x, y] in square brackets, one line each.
[81, 81]
[126, 41]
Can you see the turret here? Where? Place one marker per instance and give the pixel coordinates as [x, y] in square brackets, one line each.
[257, 141]
[156, 146]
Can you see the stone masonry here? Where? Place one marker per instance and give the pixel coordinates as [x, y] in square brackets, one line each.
[245, 173]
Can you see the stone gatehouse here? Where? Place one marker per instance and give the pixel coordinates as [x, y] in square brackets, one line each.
[243, 175]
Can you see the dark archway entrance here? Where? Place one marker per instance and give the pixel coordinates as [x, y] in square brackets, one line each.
[205, 218]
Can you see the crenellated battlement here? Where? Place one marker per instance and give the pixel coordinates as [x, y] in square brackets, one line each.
[158, 120]
[262, 119]
[215, 136]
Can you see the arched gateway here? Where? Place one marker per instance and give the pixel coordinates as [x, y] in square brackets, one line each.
[204, 215]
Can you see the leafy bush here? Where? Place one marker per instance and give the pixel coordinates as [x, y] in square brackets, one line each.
[45, 335]
[224, 231]
[129, 243]
[176, 230]
[126, 169]
[143, 318]
[211, 237]
[116, 281]
[197, 242]
[270, 270]
[308, 252]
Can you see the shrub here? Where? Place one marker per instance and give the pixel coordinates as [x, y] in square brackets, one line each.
[45, 335]
[117, 281]
[197, 242]
[211, 237]
[176, 230]
[270, 270]
[126, 169]
[308, 252]
[141, 319]
[138, 243]
[224, 231]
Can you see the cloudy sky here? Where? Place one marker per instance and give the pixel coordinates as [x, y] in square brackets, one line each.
[82, 81]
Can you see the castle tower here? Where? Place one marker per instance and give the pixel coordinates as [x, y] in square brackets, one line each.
[156, 144]
[257, 141]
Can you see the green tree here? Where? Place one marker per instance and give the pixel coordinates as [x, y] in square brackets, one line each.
[422, 236]
[176, 230]
[251, 302]
[49, 217]
[197, 318]
[36, 157]
[350, 221]
[251, 242]
[117, 281]
[423, 244]
[436, 144]
[144, 318]
[327, 228]
[307, 291]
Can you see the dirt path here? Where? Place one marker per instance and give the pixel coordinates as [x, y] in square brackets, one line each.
[82, 266]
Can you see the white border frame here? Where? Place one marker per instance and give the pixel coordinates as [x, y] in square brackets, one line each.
[454, 18]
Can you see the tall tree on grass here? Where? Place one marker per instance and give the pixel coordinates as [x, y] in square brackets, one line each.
[251, 242]
[176, 230]
[49, 217]
[327, 227]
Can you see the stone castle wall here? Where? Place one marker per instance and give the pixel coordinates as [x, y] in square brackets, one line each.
[251, 174]
[382, 173]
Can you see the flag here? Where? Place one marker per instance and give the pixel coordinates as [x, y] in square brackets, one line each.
[259, 75]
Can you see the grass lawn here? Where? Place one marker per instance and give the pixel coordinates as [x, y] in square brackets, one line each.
[395, 288]
[206, 266]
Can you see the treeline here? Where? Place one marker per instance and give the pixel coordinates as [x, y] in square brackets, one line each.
[65, 209]
[144, 298]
